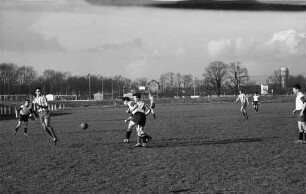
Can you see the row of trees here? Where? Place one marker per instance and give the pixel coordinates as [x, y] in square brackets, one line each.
[218, 78]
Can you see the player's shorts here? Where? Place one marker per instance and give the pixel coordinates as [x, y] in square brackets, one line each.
[243, 104]
[153, 105]
[23, 118]
[299, 117]
[44, 115]
[255, 102]
[139, 118]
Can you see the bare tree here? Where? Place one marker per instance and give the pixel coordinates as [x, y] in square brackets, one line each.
[8, 78]
[217, 74]
[238, 75]
[26, 77]
[276, 78]
[187, 81]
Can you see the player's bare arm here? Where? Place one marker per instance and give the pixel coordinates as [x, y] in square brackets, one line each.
[304, 105]
[149, 110]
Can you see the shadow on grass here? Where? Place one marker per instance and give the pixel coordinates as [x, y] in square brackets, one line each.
[199, 142]
[174, 143]
[53, 114]
[82, 131]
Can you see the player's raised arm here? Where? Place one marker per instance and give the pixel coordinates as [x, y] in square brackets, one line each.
[237, 99]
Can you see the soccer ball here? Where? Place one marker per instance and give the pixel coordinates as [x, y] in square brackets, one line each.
[84, 125]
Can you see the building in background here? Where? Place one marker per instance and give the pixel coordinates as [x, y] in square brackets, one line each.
[284, 77]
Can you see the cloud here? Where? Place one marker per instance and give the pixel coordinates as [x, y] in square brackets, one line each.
[135, 43]
[221, 47]
[136, 67]
[22, 37]
[286, 43]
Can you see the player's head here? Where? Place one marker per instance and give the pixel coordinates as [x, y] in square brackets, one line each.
[126, 100]
[137, 96]
[38, 91]
[241, 91]
[296, 88]
[256, 93]
[27, 102]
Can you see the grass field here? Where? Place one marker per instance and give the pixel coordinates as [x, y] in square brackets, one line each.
[200, 148]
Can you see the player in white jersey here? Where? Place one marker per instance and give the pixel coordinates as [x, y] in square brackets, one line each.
[23, 113]
[139, 111]
[256, 101]
[41, 107]
[244, 102]
[299, 111]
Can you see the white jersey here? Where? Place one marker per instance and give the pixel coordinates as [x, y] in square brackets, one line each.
[42, 101]
[255, 98]
[243, 98]
[141, 107]
[131, 105]
[299, 101]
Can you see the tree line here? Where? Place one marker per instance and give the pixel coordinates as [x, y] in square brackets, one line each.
[218, 78]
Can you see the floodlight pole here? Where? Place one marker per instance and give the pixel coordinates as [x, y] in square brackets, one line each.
[89, 86]
[102, 90]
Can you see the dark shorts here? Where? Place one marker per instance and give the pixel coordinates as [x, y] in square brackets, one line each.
[44, 115]
[23, 118]
[153, 105]
[303, 118]
[243, 104]
[255, 102]
[139, 118]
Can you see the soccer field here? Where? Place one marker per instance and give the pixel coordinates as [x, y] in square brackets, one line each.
[200, 148]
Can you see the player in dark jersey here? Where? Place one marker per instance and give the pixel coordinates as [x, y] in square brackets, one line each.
[22, 114]
[127, 101]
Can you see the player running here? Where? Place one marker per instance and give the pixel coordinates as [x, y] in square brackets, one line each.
[152, 105]
[23, 113]
[41, 107]
[256, 101]
[300, 104]
[139, 111]
[127, 102]
[244, 102]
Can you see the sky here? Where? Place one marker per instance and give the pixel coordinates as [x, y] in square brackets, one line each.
[138, 41]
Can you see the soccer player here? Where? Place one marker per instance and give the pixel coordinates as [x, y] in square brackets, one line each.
[152, 105]
[300, 104]
[244, 102]
[256, 101]
[41, 107]
[140, 110]
[127, 102]
[22, 114]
